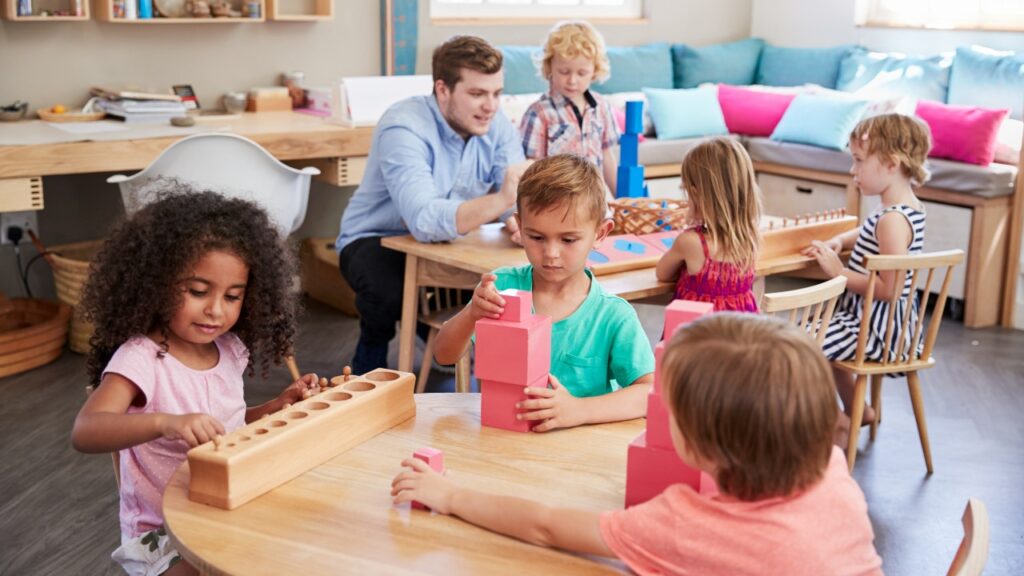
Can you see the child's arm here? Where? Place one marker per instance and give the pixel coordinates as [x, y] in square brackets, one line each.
[292, 394]
[102, 424]
[453, 338]
[560, 409]
[894, 236]
[566, 528]
[685, 250]
[610, 168]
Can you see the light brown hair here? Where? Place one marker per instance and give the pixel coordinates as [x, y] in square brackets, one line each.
[755, 397]
[719, 179]
[905, 139]
[563, 180]
[575, 39]
[464, 52]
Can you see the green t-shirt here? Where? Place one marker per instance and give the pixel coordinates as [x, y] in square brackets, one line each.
[598, 348]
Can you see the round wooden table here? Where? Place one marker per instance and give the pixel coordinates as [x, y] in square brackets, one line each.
[338, 517]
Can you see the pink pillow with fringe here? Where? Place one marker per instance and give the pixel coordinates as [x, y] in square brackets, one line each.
[752, 112]
[963, 133]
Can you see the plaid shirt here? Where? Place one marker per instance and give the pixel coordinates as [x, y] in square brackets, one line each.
[553, 125]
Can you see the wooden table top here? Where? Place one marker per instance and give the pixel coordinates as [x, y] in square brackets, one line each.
[286, 135]
[339, 517]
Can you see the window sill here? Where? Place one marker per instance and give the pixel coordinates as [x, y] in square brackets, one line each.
[531, 21]
[971, 28]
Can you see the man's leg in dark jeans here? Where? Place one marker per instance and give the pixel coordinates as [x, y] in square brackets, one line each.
[376, 274]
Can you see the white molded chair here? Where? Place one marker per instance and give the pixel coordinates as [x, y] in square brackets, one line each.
[231, 165]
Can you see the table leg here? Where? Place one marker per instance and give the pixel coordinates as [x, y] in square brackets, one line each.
[407, 329]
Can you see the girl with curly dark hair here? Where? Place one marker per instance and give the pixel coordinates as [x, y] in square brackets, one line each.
[184, 296]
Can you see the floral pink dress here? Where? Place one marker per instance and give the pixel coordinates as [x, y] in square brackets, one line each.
[722, 283]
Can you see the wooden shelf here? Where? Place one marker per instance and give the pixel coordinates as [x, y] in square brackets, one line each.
[300, 10]
[10, 11]
[105, 13]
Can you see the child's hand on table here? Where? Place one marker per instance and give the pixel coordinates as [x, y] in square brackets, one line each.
[555, 406]
[487, 303]
[421, 483]
[296, 391]
[193, 429]
[827, 256]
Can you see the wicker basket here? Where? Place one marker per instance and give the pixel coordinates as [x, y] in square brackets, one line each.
[32, 333]
[647, 216]
[70, 272]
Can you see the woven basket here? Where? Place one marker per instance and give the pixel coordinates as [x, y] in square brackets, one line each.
[70, 272]
[647, 216]
[32, 333]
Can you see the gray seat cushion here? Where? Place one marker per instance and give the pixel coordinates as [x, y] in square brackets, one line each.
[654, 151]
[985, 181]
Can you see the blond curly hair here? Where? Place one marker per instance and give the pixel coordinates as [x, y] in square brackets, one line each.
[574, 39]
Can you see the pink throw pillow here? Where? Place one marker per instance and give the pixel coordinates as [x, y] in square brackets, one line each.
[620, 119]
[963, 133]
[752, 112]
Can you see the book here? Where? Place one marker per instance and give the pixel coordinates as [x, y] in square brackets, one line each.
[130, 94]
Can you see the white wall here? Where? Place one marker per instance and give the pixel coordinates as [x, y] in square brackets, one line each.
[811, 23]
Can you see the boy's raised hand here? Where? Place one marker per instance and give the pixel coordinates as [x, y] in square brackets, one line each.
[421, 483]
[555, 406]
[193, 429]
[487, 303]
[296, 391]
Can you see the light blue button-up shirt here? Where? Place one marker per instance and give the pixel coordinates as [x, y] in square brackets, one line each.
[420, 170]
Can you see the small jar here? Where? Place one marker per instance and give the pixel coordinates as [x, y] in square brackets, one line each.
[252, 9]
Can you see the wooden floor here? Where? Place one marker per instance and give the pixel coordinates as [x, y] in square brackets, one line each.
[58, 509]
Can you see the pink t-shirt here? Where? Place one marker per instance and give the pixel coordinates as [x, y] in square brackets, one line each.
[173, 388]
[824, 530]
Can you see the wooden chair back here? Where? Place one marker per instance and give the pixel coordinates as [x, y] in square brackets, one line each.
[437, 299]
[809, 308]
[113, 455]
[973, 552]
[917, 341]
[437, 306]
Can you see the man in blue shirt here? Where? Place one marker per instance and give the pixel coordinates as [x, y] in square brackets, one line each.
[439, 167]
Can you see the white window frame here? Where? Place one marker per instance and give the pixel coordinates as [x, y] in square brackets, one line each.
[499, 10]
[995, 15]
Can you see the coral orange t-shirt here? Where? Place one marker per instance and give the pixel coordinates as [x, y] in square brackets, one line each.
[823, 530]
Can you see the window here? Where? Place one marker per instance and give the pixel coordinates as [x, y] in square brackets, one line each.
[536, 9]
[943, 14]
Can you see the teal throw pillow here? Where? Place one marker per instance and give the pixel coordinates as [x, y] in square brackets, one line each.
[878, 75]
[988, 78]
[521, 73]
[798, 66]
[637, 67]
[733, 63]
[820, 120]
[686, 113]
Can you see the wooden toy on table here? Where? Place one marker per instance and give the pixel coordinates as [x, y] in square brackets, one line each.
[652, 463]
[435, 459]
[512, 352]
[623, 252]
[278, 447]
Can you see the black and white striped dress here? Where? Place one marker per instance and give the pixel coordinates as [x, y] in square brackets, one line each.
[841, 338]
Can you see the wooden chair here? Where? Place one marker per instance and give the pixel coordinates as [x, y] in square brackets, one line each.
[809, 308]
[929, 266]
[113, 455]
[437, 306]
[973, 552]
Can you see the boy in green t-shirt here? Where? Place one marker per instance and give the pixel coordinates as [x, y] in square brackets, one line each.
[601, 361]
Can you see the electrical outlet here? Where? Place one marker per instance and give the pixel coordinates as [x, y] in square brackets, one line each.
[25, 220]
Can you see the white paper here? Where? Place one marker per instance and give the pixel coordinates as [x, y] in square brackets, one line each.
[365, 98]
[88, 127]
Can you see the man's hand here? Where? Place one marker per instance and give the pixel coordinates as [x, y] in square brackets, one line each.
[512, 225]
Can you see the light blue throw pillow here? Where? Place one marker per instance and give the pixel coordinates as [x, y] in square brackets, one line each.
[733, 63]
[686, 113]
[798, 66]
[988, 78]
[878, 75]
[521, 73]
[820, 120]
[637, 67]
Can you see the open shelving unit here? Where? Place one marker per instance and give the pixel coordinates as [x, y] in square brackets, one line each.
[300, 10]
[105, 13]
[10, 11]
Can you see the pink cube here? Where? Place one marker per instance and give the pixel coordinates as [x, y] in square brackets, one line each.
[659, 433]
[659, 353]
[682, 312]
[498, 404]
[518, 305]
[513, 352]
[650, 470]
[435, 459]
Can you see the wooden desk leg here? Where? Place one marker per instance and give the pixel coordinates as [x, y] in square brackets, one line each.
[986, 265]
[407, 329]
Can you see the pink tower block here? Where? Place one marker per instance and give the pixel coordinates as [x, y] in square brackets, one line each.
[650, 470]
[682, 312]
[518, 305]
[498, 404]
[435, 459]
[659, 433]
[513, 352]
[659, 353]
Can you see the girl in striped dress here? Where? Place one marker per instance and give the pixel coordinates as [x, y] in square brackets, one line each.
[889, 153]
[713, 260]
